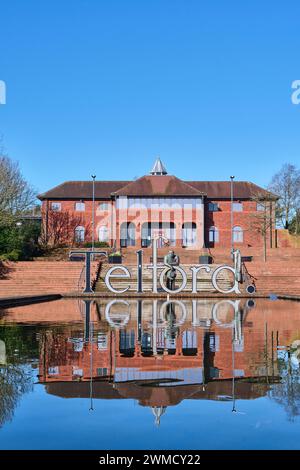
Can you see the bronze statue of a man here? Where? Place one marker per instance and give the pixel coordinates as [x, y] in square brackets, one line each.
[171, 260]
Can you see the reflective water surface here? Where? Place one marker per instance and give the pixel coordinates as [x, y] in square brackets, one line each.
[126, 374]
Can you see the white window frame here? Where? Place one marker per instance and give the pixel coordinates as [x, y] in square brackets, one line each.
[57, 208]
[102, 227]
[260, 207]
[237, 206]
[237, 234]
[213, 207]
[79, 229]
[81, 207]
[213, 234]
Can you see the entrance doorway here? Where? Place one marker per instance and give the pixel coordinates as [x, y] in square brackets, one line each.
[166, 230]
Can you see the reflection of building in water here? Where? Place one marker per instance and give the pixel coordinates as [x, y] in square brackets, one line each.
[162, 353]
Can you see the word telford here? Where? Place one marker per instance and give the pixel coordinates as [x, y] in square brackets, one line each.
[161, 272]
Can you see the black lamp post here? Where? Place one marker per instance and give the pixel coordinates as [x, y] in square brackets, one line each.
[93, 214]
[231, 214]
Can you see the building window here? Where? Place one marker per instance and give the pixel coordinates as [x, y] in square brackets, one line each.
[79, 234]
[237, 207]
[214, 342]
[56, 206]
[260, 206]
[80, 206]
[189, 234]
[127, 234]
[167, 230]
[238, 235]
[103, 206]
[213, 207]
[103, 234]
[102, 371]
[102, 341]
[158, 203]
[213, 235]
[77, 372]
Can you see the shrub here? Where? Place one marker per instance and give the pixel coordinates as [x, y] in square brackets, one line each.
[96, 245]
[20, 242]
[13, 255]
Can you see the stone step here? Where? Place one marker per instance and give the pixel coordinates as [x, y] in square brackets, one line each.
[34, 277]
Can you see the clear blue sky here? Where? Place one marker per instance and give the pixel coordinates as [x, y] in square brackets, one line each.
[106, 85]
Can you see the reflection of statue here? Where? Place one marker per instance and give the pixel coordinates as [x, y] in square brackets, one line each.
[171, 260]
[171, 331]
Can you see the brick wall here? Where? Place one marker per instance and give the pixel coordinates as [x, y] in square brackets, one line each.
[221, 219]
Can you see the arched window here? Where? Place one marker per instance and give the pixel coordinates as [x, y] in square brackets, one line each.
[189, 234]
[146, 234]
[127, 234]
[237, 234]
[79, 234]
[103, 233]
[213, 235]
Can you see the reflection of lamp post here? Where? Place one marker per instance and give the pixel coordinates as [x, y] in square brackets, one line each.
[93, 214]
[233, 373]
[231, 214]
[91, 367]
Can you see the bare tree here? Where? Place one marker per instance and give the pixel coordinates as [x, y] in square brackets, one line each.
[61, 227]
[16, 194]
[286, 184]
[262, 220]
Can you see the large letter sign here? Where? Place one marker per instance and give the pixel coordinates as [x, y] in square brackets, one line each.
[159, 274]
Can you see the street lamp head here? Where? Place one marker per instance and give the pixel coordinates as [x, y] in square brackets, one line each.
[232, 177]
[93, 176]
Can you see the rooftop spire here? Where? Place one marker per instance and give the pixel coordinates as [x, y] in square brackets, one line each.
[158, 168]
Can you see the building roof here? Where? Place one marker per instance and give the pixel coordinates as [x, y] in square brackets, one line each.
[156, 185]
[222, 189]
[158, 396]
[83, 190]
[164, 185]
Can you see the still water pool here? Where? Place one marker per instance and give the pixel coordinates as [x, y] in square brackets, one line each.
[130, 374]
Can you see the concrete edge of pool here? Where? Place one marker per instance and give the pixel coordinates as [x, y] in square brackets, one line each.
[27, 299]
[14, 301]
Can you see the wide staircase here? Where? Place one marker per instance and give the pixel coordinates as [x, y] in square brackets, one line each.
[42, 277]
[276, 276]
[225, 279]
[186, 256]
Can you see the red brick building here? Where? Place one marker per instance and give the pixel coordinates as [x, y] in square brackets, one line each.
[189, 214]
